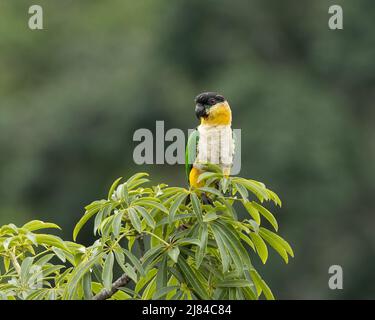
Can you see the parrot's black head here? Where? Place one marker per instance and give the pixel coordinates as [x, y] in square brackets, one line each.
[204, 101]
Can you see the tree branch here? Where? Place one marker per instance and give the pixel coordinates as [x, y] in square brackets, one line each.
[105, 294]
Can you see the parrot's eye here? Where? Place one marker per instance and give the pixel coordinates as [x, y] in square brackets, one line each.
[212, 101]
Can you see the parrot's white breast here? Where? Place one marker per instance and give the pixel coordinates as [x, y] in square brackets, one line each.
[215, 145]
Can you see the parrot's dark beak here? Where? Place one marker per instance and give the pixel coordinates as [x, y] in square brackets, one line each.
[200, 111]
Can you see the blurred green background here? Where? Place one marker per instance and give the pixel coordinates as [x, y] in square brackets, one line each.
[73, 94]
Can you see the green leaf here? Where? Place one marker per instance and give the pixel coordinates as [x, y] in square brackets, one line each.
[149, 219]
[208, 175]
[25, 268]
[160, 293]
[203, 239]
[60, 254]
[144, 280]
[260, 246]
[47, 239]
[196, 206]
[187, 241]
[98, 220]
[86, 286]
[116, 223]
[113, 188]
[37, 225]
[235, 245]
[242, 190]
[193, 279]
[76, 276]
[129, 271]
[152, 204]
[235, 283]
[176, 204]
[253, 186]
[278, 248]
[267, 214]
[134, 219]
[44, 259]
[222, 249]
[162, 275]
[137, 176]
[83, 220]
[173, 253]
[107, 275]
[211, 190]
[261, 285]
[252, 211]
[278, 239]
[247, 240]
[134, 260]
[211, 216]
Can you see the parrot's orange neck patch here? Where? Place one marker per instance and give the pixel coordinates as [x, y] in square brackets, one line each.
[219, 114]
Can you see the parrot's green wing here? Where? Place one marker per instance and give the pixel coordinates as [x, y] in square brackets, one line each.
[191, 151]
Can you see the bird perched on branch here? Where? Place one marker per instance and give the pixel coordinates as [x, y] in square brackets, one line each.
[213, 141]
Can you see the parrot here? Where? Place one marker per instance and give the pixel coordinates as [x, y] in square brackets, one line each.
[212, 142]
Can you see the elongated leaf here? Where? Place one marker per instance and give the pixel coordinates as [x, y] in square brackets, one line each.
[174, 253]
[260, 246]
[60, 254]
[149, 219]
[203, 239]
[176, 204]
[222, 249]
[211, 190]
[152, 204]
[252, 211]
[192, 278]
[47, 239]
[25, 268]
[261, 285]
[98, 220]
[116, 223]
[86, 286]
[37, 225]
[196, 206]
[232, 248]
[113, 187]
[160, 293]
[76, 276]
[242, 190]
[144, 280]
[162, 275]
[235, 283]
[187, 241]
[107, 275]
[234, 240]
[137, 176]
[83, 221]
[134, 260]
[130, 272]
[267, 214]
[134, 219]
[247, 240]
[278, 239]
[211, 216]
[208, 175]
[276, 245]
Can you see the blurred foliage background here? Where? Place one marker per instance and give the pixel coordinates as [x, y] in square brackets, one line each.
[73, 94]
